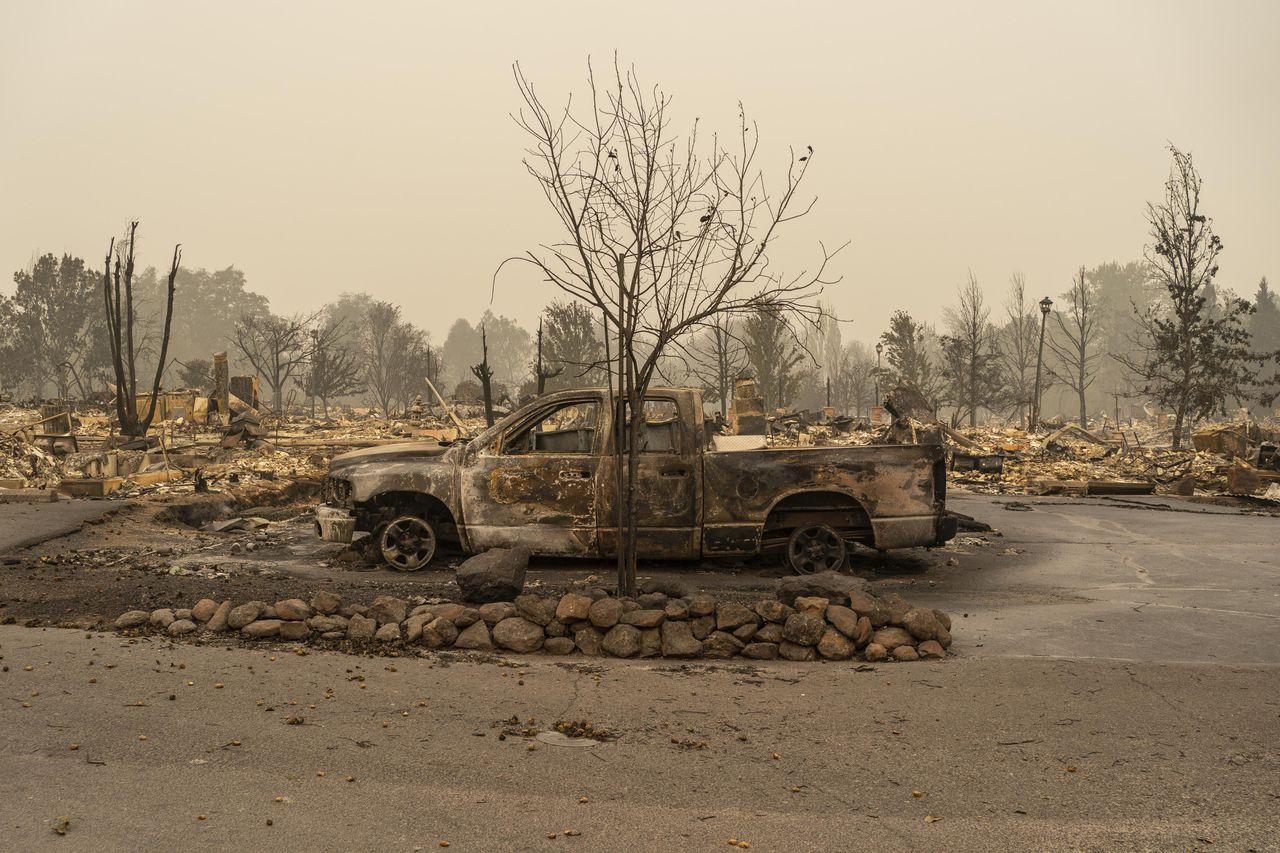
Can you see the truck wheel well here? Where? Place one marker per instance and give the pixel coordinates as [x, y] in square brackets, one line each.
[833, 509]
[386, 506]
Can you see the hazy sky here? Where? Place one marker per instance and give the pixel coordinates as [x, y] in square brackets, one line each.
[326, 147]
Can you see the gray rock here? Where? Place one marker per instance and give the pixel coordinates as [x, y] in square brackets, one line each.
[414, 624]
[650, 643]
[792, 651]
[652, 601]
[518, 634]
[746, 633]
[558, 646]
[203, 610]
[731, 615]
[261, 628]
[874, 652]
[605, 613]
[863, 635]
[218, 621]
[178, 627]
[922, 624]
[804, 629]
[325, 624]
[892, 637]
[388, 633]
[387, 609]
[294, 610]
[721, 645]
[931, 650]
[770, 632]
[161, 618]
[244, 614]
[843, 619]
[676, 609]
[868, 605]
[629, 604]
[573, 607]
[772, 610]
[294, 631]
[444, 629]
[829, 585]
[760, 651]
[268, 612]
[703, 626]
[590, 641]
[496, 575]
[349, 610]
[326, 602]
[701, 604]
[466, 618]
[678, 640]
[361, 627]
[643, 618]
[835, 645]
[496, 611]
[622, 641]
[556, 628]
[474, 637]
[536, 608]
[897, 605]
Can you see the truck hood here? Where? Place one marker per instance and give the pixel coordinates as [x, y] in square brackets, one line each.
[389, 453]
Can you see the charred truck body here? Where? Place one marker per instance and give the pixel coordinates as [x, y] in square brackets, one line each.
[545, 477]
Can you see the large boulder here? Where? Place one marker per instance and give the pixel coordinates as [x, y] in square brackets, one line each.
[804, 629]
[361, 627]
[496, 575]
[387, 609]
[643, 618]
[922, 624]
[518, 634]
[622, 641]
[835, 645]
[537, 608]
[496, 611]
[162, 618]
[893, 637]
[721, 645]
[244, 614]
[203, 610]
[604, 613]
[830, 585]
[475, 637]
[573, 607]
[678, 640]
[732, 615]
[590, 641]
[294, 610]
[326, 603]
[844, 620]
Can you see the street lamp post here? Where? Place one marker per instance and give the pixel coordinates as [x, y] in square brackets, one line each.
[879, 350]
[1046, 305]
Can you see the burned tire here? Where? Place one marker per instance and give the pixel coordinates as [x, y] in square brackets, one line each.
[407, 543]
[816, 548]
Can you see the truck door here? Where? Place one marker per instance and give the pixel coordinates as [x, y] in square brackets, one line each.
[668, 483]
[535, 484]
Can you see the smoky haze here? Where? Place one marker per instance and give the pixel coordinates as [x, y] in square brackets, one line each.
[326, 147]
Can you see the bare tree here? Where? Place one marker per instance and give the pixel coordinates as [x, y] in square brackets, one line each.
[384, 341]
[1075, 341]
[658, 233]
[333, 369]
[714, 358]
[1018, 339]
[484, 373]
[541, 370]
[1190, 358]
[852, 379]
[117, 291]
[278, 347]
[971, 354]
[774, 353]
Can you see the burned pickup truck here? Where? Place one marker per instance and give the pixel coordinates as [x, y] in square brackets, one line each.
[545, 477]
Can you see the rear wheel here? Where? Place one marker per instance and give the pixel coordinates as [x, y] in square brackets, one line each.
[407, 543]
[816, 548]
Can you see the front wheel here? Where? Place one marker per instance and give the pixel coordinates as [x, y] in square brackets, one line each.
[408, 543]
[816, 548]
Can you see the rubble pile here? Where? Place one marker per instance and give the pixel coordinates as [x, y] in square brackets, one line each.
[836, 626]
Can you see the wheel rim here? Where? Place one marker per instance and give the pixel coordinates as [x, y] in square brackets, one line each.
[815, 549]
[408, 543]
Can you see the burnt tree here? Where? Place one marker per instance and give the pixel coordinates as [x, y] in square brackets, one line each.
[484, 373]
[122, 316]
[659, 233]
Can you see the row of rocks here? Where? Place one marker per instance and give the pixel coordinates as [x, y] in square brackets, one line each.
[838, 626]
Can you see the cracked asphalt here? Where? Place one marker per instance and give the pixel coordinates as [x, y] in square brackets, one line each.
[1116, 687]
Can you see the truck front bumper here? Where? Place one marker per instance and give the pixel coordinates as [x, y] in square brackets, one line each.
[335, 524]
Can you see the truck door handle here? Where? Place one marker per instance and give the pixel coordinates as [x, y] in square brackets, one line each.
[575, 475]
[675, 472]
